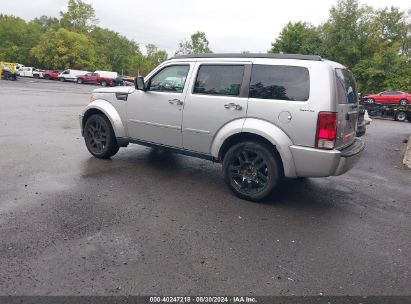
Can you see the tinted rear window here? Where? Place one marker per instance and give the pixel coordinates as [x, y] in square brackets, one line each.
[219, 80]
[346, 90]
[280, 82]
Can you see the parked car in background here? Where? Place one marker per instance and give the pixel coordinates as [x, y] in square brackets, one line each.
[107, 74]
[71, 75]
[363, 120]
[38, 73]
[51, 74]
[263, 116]
[96, 78]
[388, 97]
[19, 67]
[26, 71]
[7, 70]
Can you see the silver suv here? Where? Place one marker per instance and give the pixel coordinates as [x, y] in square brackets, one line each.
[263, 116]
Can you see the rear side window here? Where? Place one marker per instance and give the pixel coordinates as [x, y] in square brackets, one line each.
[346, 90]
[280, 82]
[219, 80]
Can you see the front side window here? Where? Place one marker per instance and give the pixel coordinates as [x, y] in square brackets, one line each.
[219, 80]
[169, 79]
[280, 82]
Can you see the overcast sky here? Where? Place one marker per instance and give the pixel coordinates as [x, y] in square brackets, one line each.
[230, 25]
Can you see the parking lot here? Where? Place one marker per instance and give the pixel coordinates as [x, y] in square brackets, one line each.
[150, 222]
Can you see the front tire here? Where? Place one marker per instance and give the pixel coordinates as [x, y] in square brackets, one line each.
[79, 81]
[62, 79]
[252, 170]
[104, 83]
[99, 137]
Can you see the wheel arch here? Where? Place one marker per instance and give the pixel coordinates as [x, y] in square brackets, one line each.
[260, 130]
[105, 108]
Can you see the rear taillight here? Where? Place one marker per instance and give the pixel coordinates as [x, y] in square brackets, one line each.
[326, 130]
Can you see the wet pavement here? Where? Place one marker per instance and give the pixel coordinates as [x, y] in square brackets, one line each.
[150, 222]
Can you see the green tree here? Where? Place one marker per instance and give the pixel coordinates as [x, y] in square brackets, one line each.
[154, 56]
[198, 44]
[298, 38]
[64, 49]
[385, 70]
[80, 17]
[17, 38]
[115, 51]
[342, 34]
[46, 23]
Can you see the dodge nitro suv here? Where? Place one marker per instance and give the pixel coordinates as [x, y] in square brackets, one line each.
[263, 116]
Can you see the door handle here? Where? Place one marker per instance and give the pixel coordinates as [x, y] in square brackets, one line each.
[175, 101]
[233, 106]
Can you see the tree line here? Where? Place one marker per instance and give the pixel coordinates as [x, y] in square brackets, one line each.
[76, 41]
[374, 44]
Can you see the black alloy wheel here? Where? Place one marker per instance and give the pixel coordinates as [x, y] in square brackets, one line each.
[251, 170]
[99, 137]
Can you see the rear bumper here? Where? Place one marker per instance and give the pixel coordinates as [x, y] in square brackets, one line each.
[310, 162]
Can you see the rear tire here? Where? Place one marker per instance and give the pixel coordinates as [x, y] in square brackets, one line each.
[403, 102]
[370, 100]
[252, 170]
[400, 116]
[47, 77]
[99, 137]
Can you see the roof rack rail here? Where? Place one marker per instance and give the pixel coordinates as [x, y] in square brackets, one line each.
[251, 55]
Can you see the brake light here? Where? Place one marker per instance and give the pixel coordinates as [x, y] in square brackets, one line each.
[326, 130]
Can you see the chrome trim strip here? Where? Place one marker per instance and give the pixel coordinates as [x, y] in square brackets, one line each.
[196, 131]
[155, 124]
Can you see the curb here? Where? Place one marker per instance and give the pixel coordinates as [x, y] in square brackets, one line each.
[407, 155]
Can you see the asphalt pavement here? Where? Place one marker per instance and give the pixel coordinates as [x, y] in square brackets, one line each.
[150, 222]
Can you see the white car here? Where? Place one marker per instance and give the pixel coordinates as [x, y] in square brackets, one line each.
[37, 73]
[26, 71]
[71, 75]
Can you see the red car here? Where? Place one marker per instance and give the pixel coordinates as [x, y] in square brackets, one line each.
[51, 74]
[95, 78]
[389, 97]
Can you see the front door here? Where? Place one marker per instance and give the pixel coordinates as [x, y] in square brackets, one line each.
[155, 115]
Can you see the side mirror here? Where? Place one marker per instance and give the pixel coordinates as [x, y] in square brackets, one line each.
[139, 83]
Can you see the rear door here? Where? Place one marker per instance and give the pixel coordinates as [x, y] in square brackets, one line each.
[217, 95]
[347, 107]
